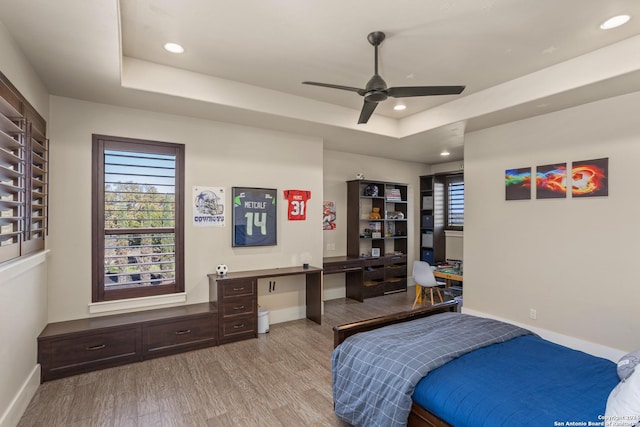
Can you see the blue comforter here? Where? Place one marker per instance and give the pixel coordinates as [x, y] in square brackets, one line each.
[526, 381]
[375, 373]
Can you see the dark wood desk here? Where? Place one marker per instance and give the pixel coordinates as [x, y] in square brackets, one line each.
[354, 273]
[368, 277]
[237, 296]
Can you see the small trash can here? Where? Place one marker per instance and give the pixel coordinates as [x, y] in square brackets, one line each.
[263, 320]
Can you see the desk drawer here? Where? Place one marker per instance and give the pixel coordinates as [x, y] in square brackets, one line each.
[241, 327]
[373, 262]
[237, 288]
[238, 306]
[371, 273]
[342, 266]
[396, 271]
[171, 336]
[385, 287]
[88, 351]
[396, 259]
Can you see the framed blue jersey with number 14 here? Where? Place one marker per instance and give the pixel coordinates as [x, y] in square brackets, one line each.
[254, 216]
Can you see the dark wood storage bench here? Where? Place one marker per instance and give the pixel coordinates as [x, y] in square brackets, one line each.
[84, 345]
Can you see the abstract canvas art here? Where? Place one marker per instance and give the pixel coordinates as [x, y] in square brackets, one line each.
[517, 183]
[551, 181]
[589, 178]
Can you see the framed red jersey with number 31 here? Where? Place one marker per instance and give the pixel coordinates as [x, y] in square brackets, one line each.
[297, 209]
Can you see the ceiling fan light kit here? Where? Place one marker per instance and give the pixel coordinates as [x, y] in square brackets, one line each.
[376, 89]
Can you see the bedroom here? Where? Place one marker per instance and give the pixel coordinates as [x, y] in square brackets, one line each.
[573, 258]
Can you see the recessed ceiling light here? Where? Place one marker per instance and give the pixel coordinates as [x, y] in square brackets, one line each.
[400, 107]
[614, 22]
[173, 47]
[445, 153]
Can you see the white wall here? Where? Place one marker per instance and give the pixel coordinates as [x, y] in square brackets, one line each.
[217, 154]
[572, 260]
[340, 167]
[23, 284]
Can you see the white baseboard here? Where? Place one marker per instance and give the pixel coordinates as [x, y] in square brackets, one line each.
[18, 405]
[610, 353]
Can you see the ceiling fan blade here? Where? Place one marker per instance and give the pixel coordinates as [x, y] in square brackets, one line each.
[403, 92]
[349, 88]
[367, 111]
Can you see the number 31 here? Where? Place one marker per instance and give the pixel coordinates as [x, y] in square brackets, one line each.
[297, 207]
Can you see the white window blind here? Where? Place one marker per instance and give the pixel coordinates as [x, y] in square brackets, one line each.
[455, 201]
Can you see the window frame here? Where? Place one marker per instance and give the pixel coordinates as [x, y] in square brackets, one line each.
[100, 143]
[448, 180]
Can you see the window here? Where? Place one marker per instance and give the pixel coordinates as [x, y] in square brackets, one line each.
[138, 220]
[23, 175]
[455, 201]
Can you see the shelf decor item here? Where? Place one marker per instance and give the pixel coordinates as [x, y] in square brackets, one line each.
[375, 214]
[222, 270]
[371, 190]
[254, 216]
[393, 195]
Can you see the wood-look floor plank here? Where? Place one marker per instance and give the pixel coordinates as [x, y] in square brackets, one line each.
[282, 378]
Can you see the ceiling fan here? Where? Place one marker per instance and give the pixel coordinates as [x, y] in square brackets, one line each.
[376, 89]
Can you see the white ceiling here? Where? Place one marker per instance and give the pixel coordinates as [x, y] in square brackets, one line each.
[245, 61]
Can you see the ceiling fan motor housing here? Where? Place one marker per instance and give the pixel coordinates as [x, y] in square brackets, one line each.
[376, 89]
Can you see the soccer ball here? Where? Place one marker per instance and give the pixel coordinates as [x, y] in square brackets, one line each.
[222, 269]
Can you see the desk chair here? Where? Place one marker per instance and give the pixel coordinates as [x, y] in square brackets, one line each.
[423, 276]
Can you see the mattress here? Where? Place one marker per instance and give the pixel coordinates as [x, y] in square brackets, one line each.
[526, 381]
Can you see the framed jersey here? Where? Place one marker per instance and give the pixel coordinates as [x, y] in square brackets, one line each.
[297, 199]
[254, 216]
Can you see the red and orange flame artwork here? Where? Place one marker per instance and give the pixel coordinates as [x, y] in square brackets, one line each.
[554, 180]
[587, 179]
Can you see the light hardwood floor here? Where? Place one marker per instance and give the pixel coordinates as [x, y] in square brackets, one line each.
[282, 378]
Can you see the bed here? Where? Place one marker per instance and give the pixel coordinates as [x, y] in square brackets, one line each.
[436, 367]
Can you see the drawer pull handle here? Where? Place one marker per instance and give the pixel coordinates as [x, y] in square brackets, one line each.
[238, 289]
[96, 347]
[240, 307]
[238, 326]
[186, 331]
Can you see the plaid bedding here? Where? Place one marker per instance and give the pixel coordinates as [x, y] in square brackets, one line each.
[374, 373]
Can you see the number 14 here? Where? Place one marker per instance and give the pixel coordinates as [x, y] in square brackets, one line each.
[257, 219]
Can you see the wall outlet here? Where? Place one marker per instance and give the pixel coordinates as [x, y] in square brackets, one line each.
[331, 246]
[533, 314]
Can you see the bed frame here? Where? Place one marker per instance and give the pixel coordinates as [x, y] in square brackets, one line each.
[419, 417]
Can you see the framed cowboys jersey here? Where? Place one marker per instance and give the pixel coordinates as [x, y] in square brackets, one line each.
[254, 216]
